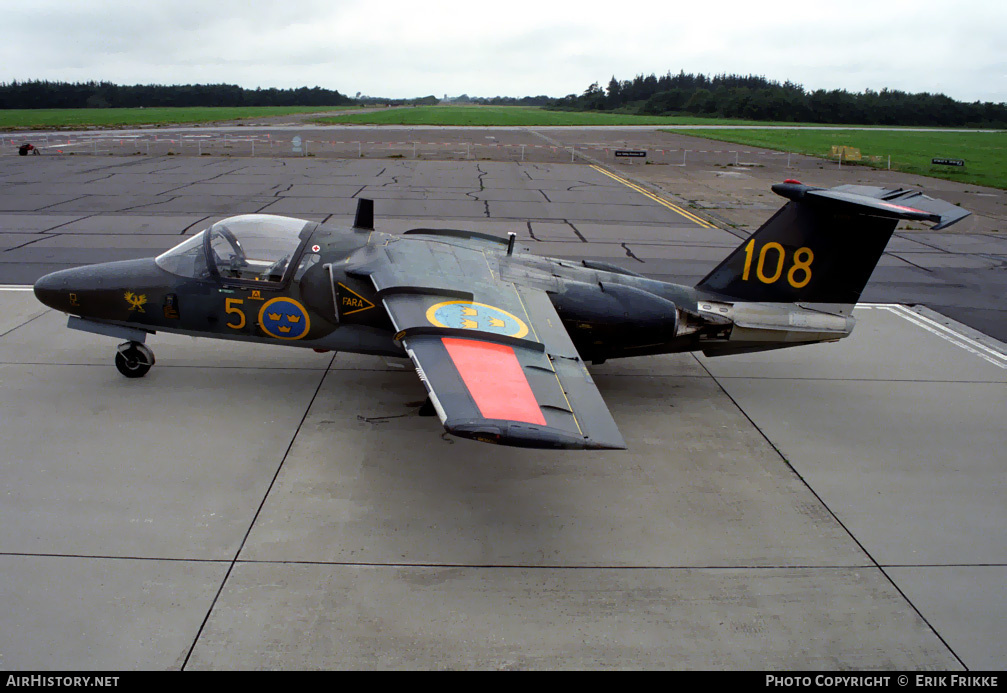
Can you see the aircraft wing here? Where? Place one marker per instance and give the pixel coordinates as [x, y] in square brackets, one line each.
[494, 356]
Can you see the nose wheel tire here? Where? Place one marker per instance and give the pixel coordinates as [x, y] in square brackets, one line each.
[133, 359]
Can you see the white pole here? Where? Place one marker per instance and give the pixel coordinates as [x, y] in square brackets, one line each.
[522, 152]
[736, 158]
[414, 150]
[788, 159]
[889, 162]
[360, 151]
[572, 150]
[685, 155]
[468, 150]
[253, 147]
[305, 147]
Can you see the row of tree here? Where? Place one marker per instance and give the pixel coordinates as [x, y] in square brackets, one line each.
[729, 96]
[465, 99]
[756, 98]
[45, 94]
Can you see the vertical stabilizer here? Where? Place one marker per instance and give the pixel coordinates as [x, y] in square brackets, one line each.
[821, 247]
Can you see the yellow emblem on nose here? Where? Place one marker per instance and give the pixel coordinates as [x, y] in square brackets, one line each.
[273, 316]
[135, 302]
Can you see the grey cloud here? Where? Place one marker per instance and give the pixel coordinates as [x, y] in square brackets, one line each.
[354, 46]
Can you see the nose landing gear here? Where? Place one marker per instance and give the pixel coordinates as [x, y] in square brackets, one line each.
[133, 359]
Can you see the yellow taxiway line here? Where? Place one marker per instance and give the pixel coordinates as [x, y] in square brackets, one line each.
[661, 201]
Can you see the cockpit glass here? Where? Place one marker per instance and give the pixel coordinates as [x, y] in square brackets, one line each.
[186, 259]
[250, 247]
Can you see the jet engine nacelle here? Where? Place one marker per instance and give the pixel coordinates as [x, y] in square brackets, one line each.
[610, 305]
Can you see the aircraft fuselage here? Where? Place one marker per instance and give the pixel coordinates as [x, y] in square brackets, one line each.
[319, 304]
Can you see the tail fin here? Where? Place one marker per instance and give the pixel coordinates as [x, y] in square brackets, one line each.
[823, 245]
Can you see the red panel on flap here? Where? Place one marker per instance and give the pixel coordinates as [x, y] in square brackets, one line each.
[495, 380]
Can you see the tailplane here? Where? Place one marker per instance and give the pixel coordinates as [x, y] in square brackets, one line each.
[823, 245]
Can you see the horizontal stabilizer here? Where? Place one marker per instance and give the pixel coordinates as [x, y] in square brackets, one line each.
[896, 204]
[948, 213]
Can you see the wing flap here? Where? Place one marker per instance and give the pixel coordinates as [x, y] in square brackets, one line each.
[507, 394]
[495, 379]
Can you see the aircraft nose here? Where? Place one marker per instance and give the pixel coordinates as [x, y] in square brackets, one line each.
[52, 289]
[96, 291]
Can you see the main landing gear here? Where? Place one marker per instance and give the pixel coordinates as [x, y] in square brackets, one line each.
[427, 409]
[133, 359]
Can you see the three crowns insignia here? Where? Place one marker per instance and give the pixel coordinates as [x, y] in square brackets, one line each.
[293, 319]
[474, 324]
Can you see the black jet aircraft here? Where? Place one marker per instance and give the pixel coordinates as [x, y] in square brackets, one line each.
[499, 337]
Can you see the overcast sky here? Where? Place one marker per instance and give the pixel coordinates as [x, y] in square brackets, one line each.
[401, 48]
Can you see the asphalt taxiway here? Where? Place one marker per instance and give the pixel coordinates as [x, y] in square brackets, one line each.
[247, 506]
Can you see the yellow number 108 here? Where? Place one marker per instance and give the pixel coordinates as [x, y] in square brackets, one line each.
[801, 267]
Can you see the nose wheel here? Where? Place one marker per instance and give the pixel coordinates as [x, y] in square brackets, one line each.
[133, 359]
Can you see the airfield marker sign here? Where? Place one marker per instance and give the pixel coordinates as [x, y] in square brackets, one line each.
[947, 162]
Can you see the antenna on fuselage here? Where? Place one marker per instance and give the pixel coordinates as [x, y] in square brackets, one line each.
[364, 218]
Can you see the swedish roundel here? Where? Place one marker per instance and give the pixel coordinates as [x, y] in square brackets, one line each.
[466, 315]
[284, 318]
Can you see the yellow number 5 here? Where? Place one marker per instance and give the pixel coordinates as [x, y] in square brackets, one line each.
[230, 307]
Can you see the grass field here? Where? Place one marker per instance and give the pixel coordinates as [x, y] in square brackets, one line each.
[985, 153]
[513, 116]
[34, 119]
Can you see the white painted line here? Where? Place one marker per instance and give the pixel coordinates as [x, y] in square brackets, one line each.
[910, 315]
[958, 335]
[950, 337]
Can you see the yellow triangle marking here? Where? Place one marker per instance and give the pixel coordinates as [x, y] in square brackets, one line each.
[367, 305]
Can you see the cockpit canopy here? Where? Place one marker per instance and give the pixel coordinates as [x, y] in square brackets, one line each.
[249, 247]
